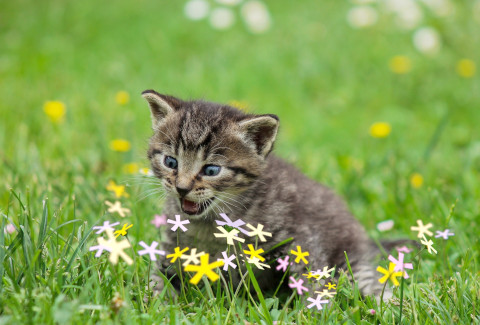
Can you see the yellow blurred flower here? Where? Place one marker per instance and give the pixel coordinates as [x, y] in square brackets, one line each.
[380, 129]
[400, 64]
[131, 168]
[242, 105]
[416, 180]
[55, 110]
[466, 68]
[120, 145]
[122, 98]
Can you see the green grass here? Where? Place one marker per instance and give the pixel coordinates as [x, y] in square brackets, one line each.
[327, 82]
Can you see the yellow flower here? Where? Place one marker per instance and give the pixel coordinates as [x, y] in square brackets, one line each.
[380, 129]
[131, 168]
[466, 68]
[122, 97]
[119, 190]
[416, 180]
[205, 268]
[389, 274]
[400, 64]
[241, 105]
[120, 145]
[55, 110]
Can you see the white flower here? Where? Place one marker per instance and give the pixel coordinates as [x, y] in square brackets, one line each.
[441, 8]
[229, 2]
[385, 225]
[408, 13]
[362, 16]
[427, 40]
[256, 16]
[222, 18]
[196, 9]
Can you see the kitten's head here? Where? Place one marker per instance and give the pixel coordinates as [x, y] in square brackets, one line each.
[205, 153]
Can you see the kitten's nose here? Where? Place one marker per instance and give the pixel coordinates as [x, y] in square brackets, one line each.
[182, 191]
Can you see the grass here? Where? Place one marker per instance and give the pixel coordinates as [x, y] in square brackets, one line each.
[327, 82]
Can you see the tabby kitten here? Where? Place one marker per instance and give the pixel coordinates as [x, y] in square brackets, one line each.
[213, 158]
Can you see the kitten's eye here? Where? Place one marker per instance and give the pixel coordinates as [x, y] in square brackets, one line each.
[170, 162]
[211, 170]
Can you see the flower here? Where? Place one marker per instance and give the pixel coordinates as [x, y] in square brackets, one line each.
[159, 220]
[466, 68]
[255, 261]
[385, 225]
[204, 269]
[427, 40]
[310, 275]
[400, 64]
[106, 225]
[444, 234]
[416, 180]
[403, 249]
[380, 130]
[316, 302]
[178, 223]
[229, 235]
[389, 274]
[131, 168]
[331, 286]
[429, 245]
[120, 145]
[235, 224]
[362, 16]
[119, 190]
[192, 258]
[227, 260]
[300, 256]
[399, 265]
[55, 110]
[117, 207]
[150, 250]
[325, 273]
[222, 18]
[297, 285]
[256, 16]
[196, 9]
[283, 264]
[115, 248]
[326, 293]
[254, 253]
[10, 228]
[123, 231]
[122, 97]
[422, 229]
[177, 254]
[258, 232]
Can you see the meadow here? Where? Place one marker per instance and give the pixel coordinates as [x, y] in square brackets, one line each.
[380, 106]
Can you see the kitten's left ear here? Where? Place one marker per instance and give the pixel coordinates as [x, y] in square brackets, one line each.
[262, 131]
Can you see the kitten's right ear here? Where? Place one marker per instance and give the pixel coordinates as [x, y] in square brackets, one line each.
[160, 105]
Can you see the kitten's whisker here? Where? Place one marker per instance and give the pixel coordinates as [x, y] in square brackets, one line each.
[232, 198]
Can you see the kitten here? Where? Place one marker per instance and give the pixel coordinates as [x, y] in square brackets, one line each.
[213, 158]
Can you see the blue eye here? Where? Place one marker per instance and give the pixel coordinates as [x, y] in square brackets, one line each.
[211, 170]
[170, 162]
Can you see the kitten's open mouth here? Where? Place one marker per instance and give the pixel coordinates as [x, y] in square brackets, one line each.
[191, 208]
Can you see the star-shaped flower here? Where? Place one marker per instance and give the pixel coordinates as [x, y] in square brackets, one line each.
[403, 249]
[123, 231]
[331, 286]
[204, 269]
[119, 190]
[389, 274]
[99, 249]
[258, 232]
[310, 275]
[227, 261]
[159, 220]
[429, 245]
[255, 261]
[444, 234]
[229, 235]
[192, 258]
[300, 256]
[178, 223]
[115, 248]
[422, 229]
[316, 302]
[297, 285]
[326, 293]
[117, 207]
[254, 253]
[150, 250]
[106, 225]
[283, 264]
[237, 224]
[325, 273]
[399, 265]
[177, 254]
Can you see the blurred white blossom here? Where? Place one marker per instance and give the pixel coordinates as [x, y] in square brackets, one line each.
[256, 16]
[427, 40]
[441, 8]
[196, 9]
[222, 18]
[408, 14]
[229, 2]
[362, 16]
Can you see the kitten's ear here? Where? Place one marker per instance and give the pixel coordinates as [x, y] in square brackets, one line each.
[160, 105]
[262, 131]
